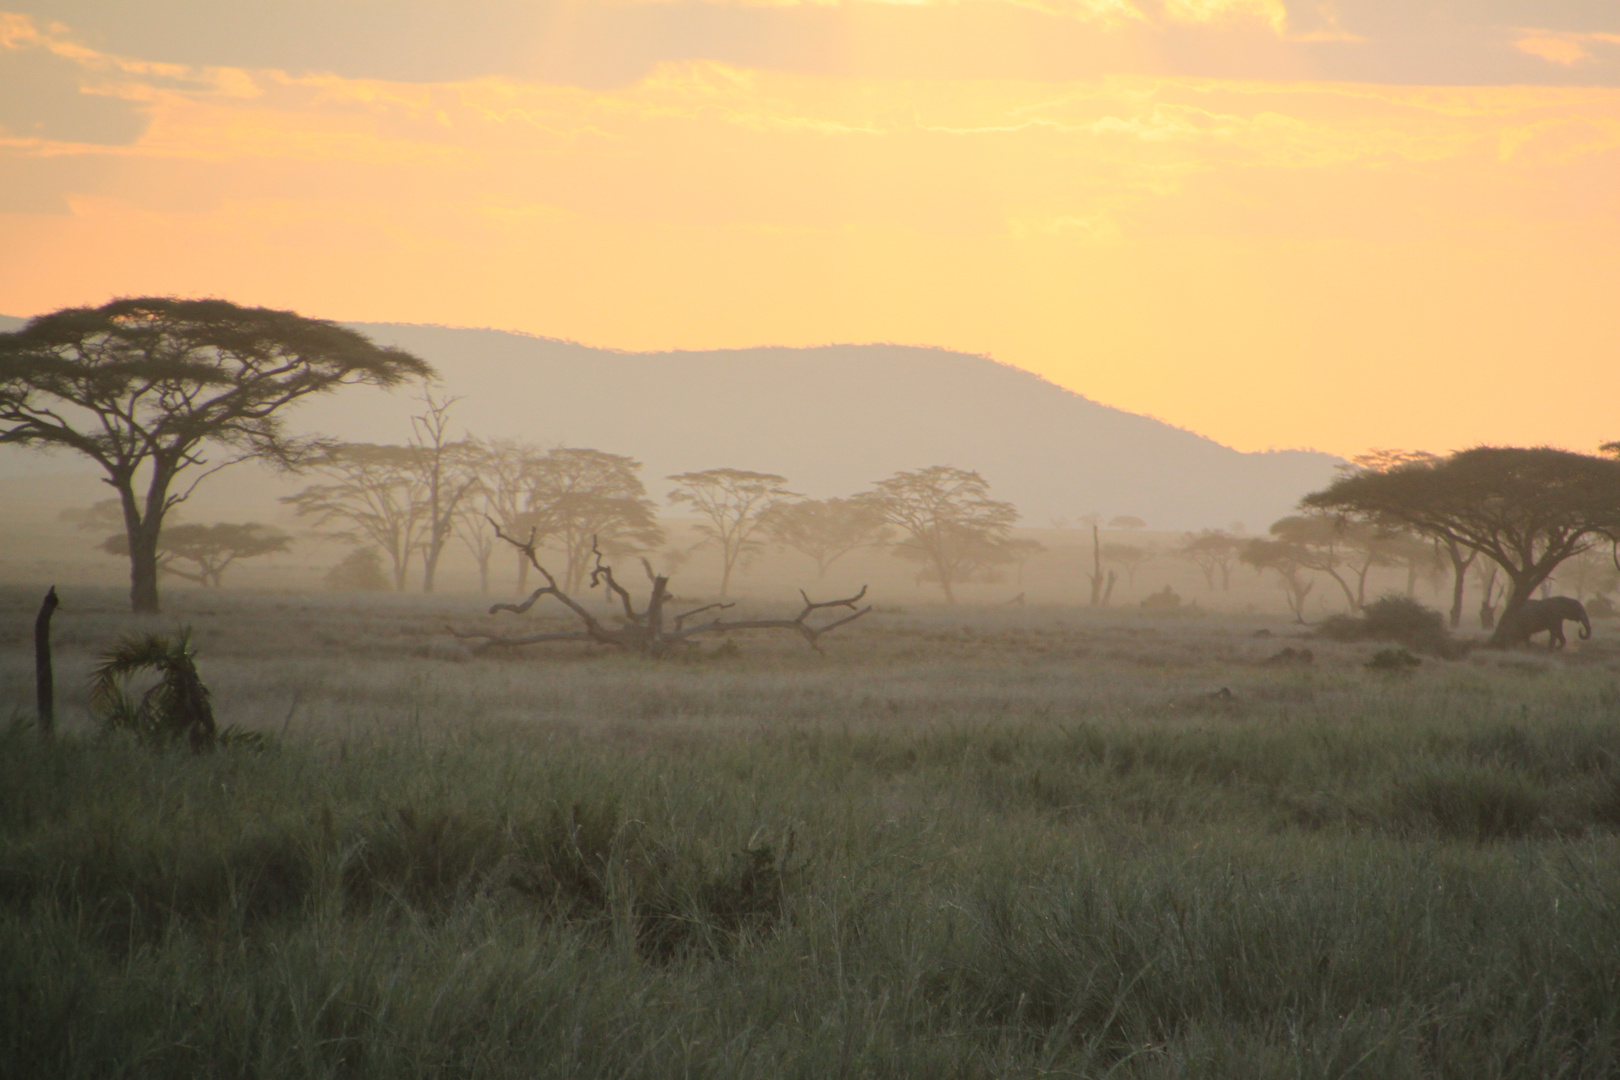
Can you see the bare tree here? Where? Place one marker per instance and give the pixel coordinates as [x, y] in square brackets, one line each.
[952, 525]
[734, 505]
[648, 631]
[1096, 575]
[446, 473]
[826, 529]
[375, 491]
[147, 388]
[1214, 552]
[211, 549]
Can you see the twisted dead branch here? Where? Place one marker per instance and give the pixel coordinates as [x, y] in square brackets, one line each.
[650, 631]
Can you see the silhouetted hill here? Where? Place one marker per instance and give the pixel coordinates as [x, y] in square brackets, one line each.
[836, 418]
[832, 420]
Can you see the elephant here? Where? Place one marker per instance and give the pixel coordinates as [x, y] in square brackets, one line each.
[1549, 615]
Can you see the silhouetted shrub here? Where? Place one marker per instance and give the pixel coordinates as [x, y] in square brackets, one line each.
[358, 571]
[1399, 619]
[1600, 607]
[1162, 602]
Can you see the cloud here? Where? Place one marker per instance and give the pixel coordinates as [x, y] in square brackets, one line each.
[1564, 49]
[607, 43]
[48, 93]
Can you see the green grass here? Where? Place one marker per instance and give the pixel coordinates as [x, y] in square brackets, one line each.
[961, 845]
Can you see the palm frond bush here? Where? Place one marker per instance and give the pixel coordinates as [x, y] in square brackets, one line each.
[175, 707]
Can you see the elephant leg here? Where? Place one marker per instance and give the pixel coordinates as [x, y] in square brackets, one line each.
[1555, 636]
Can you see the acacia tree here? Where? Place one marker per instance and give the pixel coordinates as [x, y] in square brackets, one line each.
[1289, 560]
[1527, 509]
[161, 393]
[580, 500]
[734, 505]
[826, 529]
[1128, 556]
[505, 482]
[210, 548]
[952, 525]
[375, 492]
[1334, 544]
[1460, 557]
[1213, 551]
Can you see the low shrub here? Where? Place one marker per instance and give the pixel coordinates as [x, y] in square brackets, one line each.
[1397, 619]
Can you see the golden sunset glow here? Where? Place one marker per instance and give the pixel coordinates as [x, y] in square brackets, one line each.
[1286, 260]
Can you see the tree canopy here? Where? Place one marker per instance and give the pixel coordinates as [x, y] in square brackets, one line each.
[211, 549]
[826, 529]
[1526, 509]
[952, 525]
[734, 505]
[160, 392]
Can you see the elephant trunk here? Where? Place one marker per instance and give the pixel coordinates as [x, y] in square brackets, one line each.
[1586, 622]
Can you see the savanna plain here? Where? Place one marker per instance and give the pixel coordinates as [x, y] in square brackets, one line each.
[962, 842]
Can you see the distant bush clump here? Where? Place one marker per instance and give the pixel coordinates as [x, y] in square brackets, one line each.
[358, 571]
[1162, 602]
[1397, 619]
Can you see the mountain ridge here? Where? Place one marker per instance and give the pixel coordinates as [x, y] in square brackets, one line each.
[833, 419]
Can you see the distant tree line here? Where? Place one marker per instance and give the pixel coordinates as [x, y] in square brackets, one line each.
[408, 500]
[161, 393]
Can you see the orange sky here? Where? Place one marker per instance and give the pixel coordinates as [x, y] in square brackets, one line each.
[1189, 220]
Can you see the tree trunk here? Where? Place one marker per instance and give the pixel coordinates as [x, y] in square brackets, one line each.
[44, 680]
[430, 564]
[1096, 569]
[1459, 580]
[1509, 627]
[725, 574]
[1349, 594]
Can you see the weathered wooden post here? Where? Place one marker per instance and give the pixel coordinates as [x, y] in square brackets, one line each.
[44, 685]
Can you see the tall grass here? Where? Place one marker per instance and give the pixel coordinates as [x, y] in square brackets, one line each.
[971, 846]
[1084, 901]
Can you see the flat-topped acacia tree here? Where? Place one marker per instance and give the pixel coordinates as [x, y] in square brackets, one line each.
[1526, 509]
[162, 392]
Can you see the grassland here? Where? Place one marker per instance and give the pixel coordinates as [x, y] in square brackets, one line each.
[974, 843]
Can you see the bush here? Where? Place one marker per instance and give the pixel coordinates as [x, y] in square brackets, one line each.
[1397, 619]
[358, 571]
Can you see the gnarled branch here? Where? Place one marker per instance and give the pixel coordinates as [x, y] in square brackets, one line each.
[644, 631]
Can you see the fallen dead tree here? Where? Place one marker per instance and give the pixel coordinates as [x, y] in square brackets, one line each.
[650, 631]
